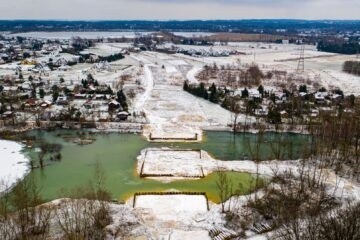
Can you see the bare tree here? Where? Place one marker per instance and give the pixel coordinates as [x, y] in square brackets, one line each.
[225, 189]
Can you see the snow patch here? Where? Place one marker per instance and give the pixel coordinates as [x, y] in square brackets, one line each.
[13, 164]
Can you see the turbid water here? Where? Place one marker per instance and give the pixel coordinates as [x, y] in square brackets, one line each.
[116, 154]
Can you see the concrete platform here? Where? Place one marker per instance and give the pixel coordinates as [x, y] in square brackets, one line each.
[165, 163]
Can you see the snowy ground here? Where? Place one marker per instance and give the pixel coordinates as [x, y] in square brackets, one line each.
[171, 112]
[13, 164]
[88, 35]
[181, 235]
[181, 163]
[193, 34]
[177, 216]
[174, 164]
[149, 85]
[168, 207]
[158, 209]
[158, 162]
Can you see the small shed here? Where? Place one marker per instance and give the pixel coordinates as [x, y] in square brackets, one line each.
[113, 105]
[122, 116]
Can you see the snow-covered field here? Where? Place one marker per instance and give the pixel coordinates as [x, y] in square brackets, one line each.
[171, 112]
[320, 67]
[89, 35]
[346, 82]
[104, 49]
[13, 164]
[193, 34]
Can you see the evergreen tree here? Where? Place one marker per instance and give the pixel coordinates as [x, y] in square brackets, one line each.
[121, 98]
[55, 96]
[261, 90]
[206, 95]
[245, 93]
[90, 78]
[274, 116]
[186, 86]
[41, 93]
[214, 98]
[303, 88]
[84, 83]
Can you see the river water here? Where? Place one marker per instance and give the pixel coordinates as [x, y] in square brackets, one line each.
[116, 154]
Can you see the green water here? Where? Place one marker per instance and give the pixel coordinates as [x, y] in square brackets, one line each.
[242, 146]
[117, 154]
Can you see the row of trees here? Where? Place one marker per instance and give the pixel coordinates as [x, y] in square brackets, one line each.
[343, 48]
[233, 75]
[112, 58]
[213, 94]
[352, 67]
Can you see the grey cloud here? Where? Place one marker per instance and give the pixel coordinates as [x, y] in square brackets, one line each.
[179, 9]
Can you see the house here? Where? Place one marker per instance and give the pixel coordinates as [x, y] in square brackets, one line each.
[280, 97]
[7, 115]
[10, 90]
[64, 68]
[62, 100]
[314, 113]
[41, 68]
[92, 88]
[30, 103]
[80, 96]
[263, 111]
[113, 105]
[336, 98]
[254, 94]
[122, 116]
[303, 94]
[88, 104]
[102, 66]
[284, 114]
[45, 104]
[320, 97]
[28, 62]
[60, 62]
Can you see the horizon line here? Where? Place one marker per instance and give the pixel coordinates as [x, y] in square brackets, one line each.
[178, 20]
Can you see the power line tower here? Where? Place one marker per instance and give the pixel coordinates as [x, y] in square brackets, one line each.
[301, 63]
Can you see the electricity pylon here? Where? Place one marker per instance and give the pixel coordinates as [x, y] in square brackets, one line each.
[301, 63]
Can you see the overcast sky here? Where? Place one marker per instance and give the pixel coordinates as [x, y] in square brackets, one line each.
[178, 9]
